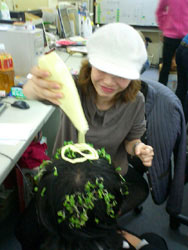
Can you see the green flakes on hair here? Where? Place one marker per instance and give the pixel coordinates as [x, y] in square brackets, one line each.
[96, 220]
[61, 215]
[68, 143]
[35, 177]
[58, 154]
[77, 205]
[44, 163]
[55, 171]
[118, 169]
[43, 191]
[108, 157]
[122, 178]
[103, 152]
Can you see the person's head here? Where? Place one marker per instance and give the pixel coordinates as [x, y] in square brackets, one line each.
[116, 55]
[78, 203]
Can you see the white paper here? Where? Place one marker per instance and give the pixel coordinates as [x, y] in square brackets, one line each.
[15, 131]
[81, 49]
[8, 142]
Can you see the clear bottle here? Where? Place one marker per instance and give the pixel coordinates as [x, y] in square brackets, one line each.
[6, 71]
[5, 13]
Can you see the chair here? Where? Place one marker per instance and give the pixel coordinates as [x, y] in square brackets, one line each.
[166, 133]
[177, 220]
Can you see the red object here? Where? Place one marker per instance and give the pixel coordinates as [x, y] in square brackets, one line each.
[64, 42]
[31, 158]
[34, 155]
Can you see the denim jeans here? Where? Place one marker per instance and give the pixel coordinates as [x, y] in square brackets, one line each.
[169, 48]
[182, 70]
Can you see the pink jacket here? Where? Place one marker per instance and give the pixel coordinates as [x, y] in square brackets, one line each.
[172, 18]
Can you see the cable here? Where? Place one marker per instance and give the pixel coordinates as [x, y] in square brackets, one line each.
[2, 97]
[67, 58]
[7, 156]
[19, 168]
[6, 102]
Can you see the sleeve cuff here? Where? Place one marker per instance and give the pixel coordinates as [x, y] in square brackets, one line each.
[142, 244]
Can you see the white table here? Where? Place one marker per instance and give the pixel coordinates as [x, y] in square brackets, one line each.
[73, 61]
[34, 118]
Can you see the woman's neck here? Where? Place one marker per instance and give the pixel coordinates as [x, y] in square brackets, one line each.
[104, 103]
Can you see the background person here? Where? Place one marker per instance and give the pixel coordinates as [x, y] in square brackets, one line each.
[108, 84]
[182, 70]
[172, 19]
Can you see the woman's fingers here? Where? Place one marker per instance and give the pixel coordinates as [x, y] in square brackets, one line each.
[47, 93]
[145, 153]
[54, 101]
[147, 150]
[38, 87]
[39, 75]
[147, 158]
[44, 84]
[36, 71]
[147, 162]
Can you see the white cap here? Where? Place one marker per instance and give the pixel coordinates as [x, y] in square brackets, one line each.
[117, 49]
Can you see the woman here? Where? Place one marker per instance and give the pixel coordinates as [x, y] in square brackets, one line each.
[172, 20]
[77, 204]
[109, 90]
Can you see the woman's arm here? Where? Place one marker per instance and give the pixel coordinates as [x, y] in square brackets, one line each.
[139, 244]
[130, 146]
[161, 13]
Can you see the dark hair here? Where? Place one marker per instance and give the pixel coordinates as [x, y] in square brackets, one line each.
[84, 81]
[72, 178]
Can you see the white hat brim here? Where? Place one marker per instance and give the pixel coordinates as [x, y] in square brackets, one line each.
[125, 72]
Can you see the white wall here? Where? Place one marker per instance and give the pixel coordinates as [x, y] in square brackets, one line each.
[32, 4]
[10, 4]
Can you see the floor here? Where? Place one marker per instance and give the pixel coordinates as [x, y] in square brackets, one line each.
[153, 218]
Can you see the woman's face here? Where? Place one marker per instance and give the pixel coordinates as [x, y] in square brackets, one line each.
[107, 85]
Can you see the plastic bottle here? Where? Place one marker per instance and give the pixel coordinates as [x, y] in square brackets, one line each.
[5, 13]
[6, 71]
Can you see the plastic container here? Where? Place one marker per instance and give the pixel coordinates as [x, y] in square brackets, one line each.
[5, 13]
[6, 71]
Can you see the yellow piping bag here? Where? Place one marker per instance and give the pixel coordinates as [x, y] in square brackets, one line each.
[70, 103]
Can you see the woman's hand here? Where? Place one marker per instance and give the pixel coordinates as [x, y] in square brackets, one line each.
[145, 153]
[39, 88]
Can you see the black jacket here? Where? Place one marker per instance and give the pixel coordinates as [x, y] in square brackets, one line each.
[166, 133]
